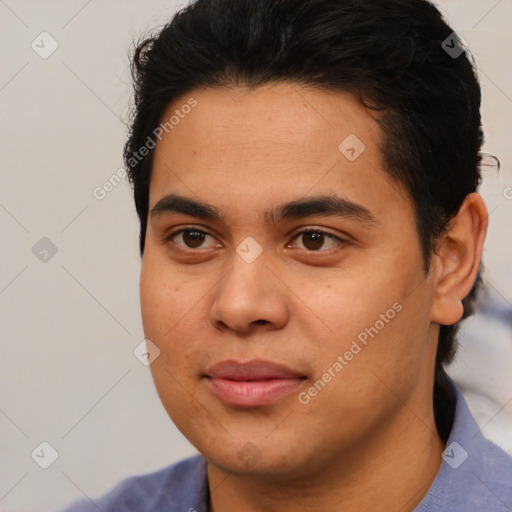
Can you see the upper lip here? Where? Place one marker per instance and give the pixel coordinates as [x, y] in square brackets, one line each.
[255, 369]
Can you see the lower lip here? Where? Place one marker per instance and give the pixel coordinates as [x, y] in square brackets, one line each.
[252, 393]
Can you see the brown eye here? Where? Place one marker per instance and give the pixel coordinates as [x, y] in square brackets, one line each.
[193, 239]
[314, 240]
[190, 238]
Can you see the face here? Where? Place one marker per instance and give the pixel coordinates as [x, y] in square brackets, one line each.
[282, 281]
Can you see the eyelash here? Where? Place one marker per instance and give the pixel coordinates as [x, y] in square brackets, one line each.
[170, 236]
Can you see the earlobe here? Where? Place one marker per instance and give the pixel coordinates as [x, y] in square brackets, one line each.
[457, 259]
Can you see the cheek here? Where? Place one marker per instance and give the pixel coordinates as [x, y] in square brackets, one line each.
[167, 321]
[379, 366]
[352, 301]
[376, 324]
[165, 297]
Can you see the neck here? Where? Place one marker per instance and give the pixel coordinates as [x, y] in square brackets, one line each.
[391, 471]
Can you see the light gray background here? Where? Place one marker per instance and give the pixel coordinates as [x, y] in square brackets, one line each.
[68, 375]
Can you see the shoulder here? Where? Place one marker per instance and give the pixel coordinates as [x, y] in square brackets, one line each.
[474, 475]
[492, 471]
[182, 485]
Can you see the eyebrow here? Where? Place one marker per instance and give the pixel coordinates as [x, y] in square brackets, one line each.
[331, 205]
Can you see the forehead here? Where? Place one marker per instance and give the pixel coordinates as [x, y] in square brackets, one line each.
[280, 141]
[272, 115]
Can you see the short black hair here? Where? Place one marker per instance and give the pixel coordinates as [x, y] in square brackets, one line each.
[393, 55]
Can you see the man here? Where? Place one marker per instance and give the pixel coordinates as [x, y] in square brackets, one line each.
[305, 173]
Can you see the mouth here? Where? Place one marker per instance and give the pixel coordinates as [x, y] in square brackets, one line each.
[254, 383]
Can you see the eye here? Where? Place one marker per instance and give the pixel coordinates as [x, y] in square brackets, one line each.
[315, 239]
[191, 238]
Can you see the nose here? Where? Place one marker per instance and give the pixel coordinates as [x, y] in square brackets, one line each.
[249, 297]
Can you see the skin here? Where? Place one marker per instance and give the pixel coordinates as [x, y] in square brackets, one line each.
[368, 440]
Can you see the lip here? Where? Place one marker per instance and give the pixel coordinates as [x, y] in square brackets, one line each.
[253, 383]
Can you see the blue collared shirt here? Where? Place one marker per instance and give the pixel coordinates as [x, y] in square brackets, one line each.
[475, 475]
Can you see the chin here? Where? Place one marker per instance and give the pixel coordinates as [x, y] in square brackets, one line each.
[249, 459]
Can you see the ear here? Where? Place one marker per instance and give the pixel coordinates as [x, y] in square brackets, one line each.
[457, 259]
